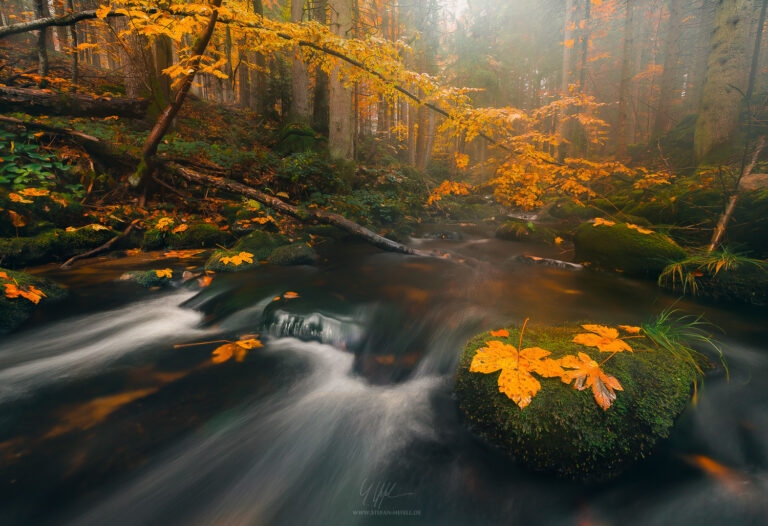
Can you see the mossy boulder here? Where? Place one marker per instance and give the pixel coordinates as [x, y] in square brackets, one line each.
[14, 311]
[258, 244]
[628, 250]
[293, 254]
[567, 209]
[196, 235]
[520, 230]
[55, 245]
[41, 213]
[148, 278]
[746, 282]
[563, 430]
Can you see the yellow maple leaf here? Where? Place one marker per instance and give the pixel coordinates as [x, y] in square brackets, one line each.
[236, 349]
[600, 221]
[501, 333]
[516, 380]
[34, 192]
[604, 338]
[639, 229]
[586, 373]
[630, 329]
[31, 293]
[164, 273]
[180, 228]
[163, 223]
[3, 275]
[558, 240]
[103, 11]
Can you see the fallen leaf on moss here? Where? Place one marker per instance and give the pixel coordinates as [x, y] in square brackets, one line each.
[600, 221]
[180, 228]
[165, 273]
[586, 373]
[182, 254]
[604, 338]
[630, 329]
[516, 380]
[31, 293]
[502, 333]
[238, 259]
[639, 229]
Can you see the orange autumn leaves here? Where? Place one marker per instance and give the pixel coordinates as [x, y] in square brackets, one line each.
[13, 290]
[518, 366]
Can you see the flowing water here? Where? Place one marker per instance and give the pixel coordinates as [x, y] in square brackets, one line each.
[346, 415]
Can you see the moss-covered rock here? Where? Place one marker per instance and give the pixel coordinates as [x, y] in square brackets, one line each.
[149, 278]
[744, 283]
[628, 250]
[567, 209]
[55, 245]
[40, 213]
[14, 311]
[197, 235]
[258, 244]
[563, 430]
[520, 230]
[293, 254]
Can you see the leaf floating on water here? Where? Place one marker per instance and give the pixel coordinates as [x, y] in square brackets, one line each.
[291, 295]
[516, 379]
[587, 373]
[182, 254]
[604, 338]
[204, 281]
[236, 349]
[502, 333]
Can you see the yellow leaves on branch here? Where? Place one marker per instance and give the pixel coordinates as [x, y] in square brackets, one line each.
[164, 223]
[449, 188]
[517, 379]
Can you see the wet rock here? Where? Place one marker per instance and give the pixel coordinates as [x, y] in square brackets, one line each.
[55, 245]
[198, 235]
[745, 282]
[521, 230]
[449, 235]
[148, 278]
[257, 245]
[14, 311]
[563, 430]
[625, 249]
[293, 254]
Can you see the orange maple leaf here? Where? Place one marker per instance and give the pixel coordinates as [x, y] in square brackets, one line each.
[604, 338]
[516, 380]
[500, 333]
[180, 228]
[238, 259]
[639, 229]
[586, 373]
[237, 349]
[630, 329]
[31, 293]
[164, 273]
[600, 221]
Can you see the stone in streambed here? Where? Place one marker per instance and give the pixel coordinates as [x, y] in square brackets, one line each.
[563, 430]
[14, 311]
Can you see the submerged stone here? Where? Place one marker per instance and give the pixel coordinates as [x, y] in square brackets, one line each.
[563, 430]
[293, 254]
[520, 230]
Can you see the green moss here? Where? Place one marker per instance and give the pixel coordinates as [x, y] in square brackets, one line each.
[744, 283]
[260, 243]
[563, 430]
[624, 249]
[293, 254]
[198, 235]
[519, 230]
[56, 245]
[215, 262]
[146, 278]
[14, 311]
[567, 209]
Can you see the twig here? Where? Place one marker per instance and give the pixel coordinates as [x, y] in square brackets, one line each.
[101, 248]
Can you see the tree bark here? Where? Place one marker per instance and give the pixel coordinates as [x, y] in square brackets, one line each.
[299, 76]
[626, 79]
[40, 102]
[146, 167]
[726, 78]
[341, 130]
[41, 11]
[669, 77]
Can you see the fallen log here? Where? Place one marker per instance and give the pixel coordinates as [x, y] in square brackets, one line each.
[303, 214]
[101, 248]
[44, 102]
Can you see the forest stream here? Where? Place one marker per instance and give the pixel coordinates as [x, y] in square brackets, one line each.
[346, 414]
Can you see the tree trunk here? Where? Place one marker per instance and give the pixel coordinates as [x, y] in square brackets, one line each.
[146, 167]
[667, 87]
[726, 78]
[163, 60]
[41, 11]
[341, 129]
[244, 78]
[626, 79]
[75, 56]
[39, 102]
[299, 76]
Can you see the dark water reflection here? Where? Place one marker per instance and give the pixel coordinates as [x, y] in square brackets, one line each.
[345, 416]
